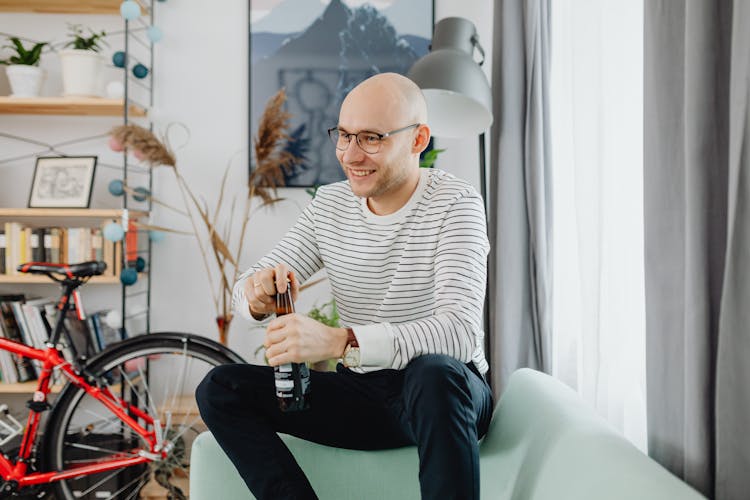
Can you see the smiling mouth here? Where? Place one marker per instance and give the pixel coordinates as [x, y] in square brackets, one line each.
[358, 172]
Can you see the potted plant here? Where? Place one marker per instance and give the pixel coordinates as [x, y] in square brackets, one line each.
[82, 63]
[23, 70]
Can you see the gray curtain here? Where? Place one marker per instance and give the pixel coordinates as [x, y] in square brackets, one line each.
[697, 253]
[520, 219]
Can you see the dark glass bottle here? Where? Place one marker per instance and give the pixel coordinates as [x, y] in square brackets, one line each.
[292, 379]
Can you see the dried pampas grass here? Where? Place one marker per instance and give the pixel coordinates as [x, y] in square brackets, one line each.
[272, 163]
[271, 160]
[144, 144]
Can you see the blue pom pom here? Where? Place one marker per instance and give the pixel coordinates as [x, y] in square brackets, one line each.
[128, 276]
[116, 188]
[140, 264]
[154, 34]
[118, 59]
[140, 71]
[113, 231]
[130, 10]
[141, 194]
[156, 236]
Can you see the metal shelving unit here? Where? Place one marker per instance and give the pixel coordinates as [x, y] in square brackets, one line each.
[126, 108]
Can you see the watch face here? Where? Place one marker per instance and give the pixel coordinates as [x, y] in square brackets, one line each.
[351, 356]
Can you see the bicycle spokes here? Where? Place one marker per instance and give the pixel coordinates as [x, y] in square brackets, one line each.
[155, 388]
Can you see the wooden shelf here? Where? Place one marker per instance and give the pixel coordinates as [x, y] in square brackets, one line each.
[30, 387]
[62, 6]
[25, 387]
[44, 217]
[36, 279]
[87, 106]
[88, 213]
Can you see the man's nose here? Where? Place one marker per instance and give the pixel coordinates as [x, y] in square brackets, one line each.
[353, 152]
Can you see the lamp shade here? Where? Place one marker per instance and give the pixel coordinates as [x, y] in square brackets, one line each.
[459, 99]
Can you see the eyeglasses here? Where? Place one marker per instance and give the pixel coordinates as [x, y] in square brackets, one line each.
[369, 142]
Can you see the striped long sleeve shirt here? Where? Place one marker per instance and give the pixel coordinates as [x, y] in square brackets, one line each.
[408, 283]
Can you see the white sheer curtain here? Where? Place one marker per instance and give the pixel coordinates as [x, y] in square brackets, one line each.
[597, 147]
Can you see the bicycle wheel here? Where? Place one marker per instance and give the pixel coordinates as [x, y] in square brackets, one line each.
[157, 374]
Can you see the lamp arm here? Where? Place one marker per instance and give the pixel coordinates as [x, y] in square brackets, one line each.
[475, 42]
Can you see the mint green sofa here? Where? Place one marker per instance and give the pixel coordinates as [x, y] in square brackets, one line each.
[544, 443]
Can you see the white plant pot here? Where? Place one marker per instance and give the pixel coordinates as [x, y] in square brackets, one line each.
[25, 81]
[81, 72]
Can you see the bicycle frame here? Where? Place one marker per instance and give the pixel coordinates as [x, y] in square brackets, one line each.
[50, 359]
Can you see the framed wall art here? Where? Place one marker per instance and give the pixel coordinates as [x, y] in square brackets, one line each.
[62, 182]
[318, 50]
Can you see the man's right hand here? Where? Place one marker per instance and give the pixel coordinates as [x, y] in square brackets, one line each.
[261, 289]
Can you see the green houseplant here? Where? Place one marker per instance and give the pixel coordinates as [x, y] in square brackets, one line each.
[23, 70]
[81, 41]
[82, 62]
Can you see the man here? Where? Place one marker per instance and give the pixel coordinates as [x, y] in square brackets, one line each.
[405, 251]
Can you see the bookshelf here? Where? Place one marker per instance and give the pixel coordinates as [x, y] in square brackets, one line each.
[138, 97]
[45, 230]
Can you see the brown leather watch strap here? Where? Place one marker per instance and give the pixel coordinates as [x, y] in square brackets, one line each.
[351, 340]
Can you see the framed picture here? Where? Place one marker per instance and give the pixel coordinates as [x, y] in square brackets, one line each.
[62, 182]
[318, 51]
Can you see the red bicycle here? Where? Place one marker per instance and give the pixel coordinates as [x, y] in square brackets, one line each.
[125, 418]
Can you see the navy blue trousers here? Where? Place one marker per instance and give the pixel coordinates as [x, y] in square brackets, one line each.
[437, 403]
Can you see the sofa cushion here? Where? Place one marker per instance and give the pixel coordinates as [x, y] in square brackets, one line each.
[544, 443]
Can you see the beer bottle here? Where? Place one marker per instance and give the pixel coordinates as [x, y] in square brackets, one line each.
[292, 379]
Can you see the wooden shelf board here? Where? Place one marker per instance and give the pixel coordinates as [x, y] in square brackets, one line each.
[70, 217]
[89, 106]
[31, 386]
[24, 387]
[62, 6]
[35, 279]
[88, 213]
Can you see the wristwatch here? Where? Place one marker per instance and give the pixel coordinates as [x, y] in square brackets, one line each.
[351, 351]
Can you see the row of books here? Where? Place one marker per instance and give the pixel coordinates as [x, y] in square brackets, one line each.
[29, 321]
[20, 244]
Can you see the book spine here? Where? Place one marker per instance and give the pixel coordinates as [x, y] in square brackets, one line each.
[54, 250]
[8, 251]
[47, 244]
[73, 243]
[8, 365]
[64, 258]
[26, 369]
[84, 244]
[25, 246]
[37, 245]
[96, 322]
[2, 251]
[97, 250]
[131, 242]
[13, 247]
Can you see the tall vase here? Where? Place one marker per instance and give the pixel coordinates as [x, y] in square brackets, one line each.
[223, 322]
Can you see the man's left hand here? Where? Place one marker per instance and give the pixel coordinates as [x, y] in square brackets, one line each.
[295, 338]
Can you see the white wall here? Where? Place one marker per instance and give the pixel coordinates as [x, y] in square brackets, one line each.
[201, 81]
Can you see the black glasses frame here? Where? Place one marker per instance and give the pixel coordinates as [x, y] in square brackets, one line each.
[333, 133]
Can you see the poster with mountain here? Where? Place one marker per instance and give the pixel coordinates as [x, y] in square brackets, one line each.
[318, 50]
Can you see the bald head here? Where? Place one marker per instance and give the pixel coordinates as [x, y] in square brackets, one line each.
[385, 100]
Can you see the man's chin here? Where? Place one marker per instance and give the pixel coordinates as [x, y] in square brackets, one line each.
[359, 191]
[360, 187]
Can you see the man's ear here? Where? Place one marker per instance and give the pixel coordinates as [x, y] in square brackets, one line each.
[421, 140]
